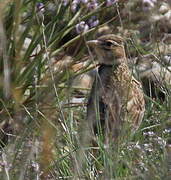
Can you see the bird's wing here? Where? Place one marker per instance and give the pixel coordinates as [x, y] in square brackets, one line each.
[135, 104]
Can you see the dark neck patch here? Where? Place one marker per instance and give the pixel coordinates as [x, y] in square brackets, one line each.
[113, 67]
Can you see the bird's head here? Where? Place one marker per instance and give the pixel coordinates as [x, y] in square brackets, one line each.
[109, 49]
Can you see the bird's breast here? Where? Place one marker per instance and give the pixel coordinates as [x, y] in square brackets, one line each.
[120, 90]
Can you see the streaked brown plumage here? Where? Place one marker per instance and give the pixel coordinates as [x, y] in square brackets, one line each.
[116, 98]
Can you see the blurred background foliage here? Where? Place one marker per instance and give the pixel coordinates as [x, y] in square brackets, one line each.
[46, 74]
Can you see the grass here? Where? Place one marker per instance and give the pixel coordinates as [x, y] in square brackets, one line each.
[44, 128]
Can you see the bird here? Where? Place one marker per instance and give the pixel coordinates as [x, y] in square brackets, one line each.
[116, 102]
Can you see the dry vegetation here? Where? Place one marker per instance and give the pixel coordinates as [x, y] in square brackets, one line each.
[46, 73]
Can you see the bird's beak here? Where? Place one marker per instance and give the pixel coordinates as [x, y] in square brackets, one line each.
[92, 43]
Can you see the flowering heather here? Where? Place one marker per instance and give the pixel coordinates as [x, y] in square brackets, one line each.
[89, 5]
[74, 5]
[84, 1]
[93, 21]
[81, 27]
[90, 23]
[92, 5]
[65, 2]
[40, 7]
[110, 2]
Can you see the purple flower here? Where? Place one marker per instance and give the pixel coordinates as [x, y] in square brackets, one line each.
[84, 1]
[110, 2]
[65, 2]
[76, 1]
[92, 5]
[93, 21]
[74, 5]
[82, 27]
[40, 7]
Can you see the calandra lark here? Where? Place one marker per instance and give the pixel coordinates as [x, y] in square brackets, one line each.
[116, 102]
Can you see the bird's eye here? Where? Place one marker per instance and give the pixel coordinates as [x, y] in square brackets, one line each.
[108, 43]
